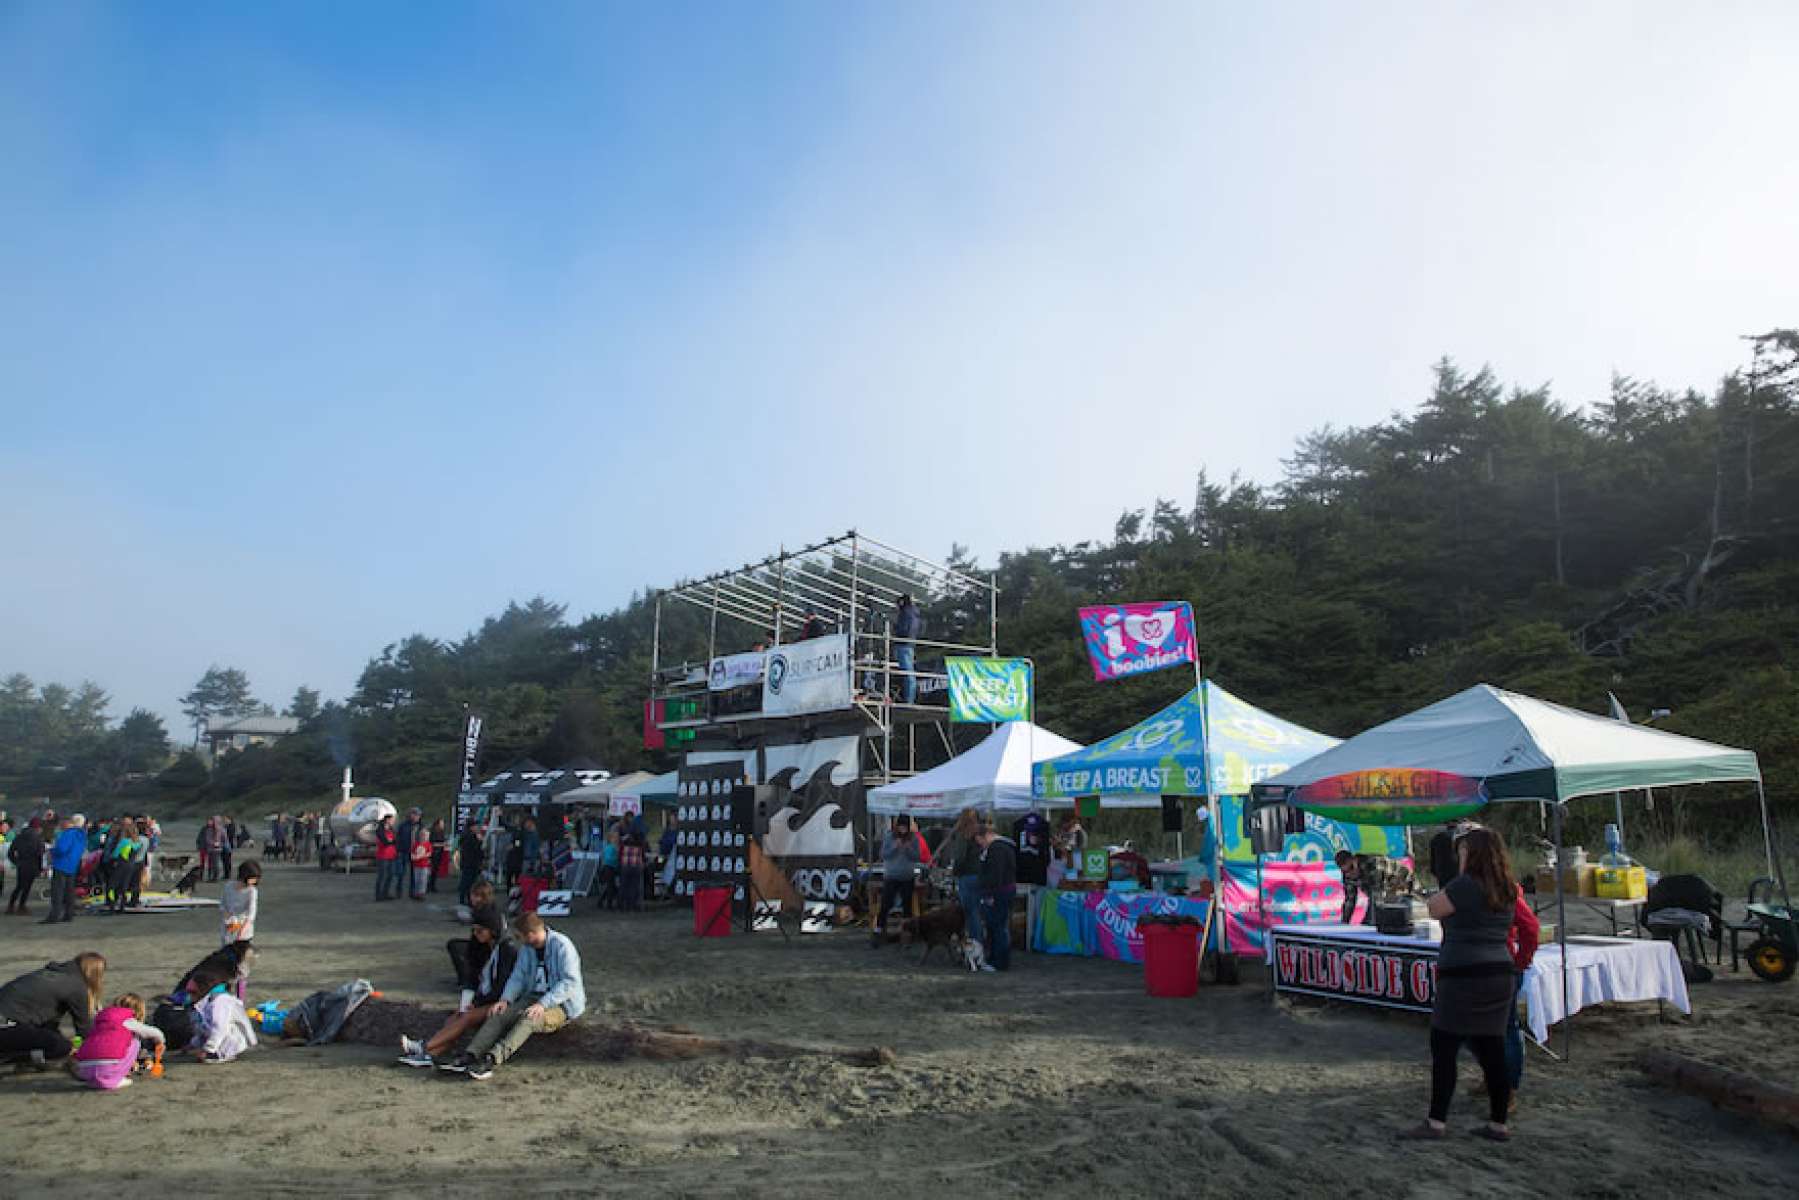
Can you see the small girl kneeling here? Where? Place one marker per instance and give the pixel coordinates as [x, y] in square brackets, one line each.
[114, 1046]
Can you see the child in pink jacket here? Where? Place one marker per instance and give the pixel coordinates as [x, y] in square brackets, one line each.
[109, 1053]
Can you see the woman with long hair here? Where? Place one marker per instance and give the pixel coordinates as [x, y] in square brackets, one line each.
[1474, 981]
[33, 1005]
[963, 854]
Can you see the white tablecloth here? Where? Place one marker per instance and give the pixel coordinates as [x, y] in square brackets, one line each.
[1599, 970]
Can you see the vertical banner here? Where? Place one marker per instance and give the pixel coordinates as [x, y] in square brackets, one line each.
[472, 726]
[989, 689]
[652, 725]
[1130, 639]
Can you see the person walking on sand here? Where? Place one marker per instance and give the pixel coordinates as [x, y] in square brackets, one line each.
[1475, 982]
[547, 980]
[26, 853]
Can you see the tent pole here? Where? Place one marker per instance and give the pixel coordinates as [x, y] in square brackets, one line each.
[1618, 811]
[1761, 794]
[1561, 934]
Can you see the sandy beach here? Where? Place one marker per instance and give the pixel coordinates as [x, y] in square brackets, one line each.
[1061, 1077]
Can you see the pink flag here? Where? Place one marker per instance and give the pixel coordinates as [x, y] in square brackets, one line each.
[1129, 639]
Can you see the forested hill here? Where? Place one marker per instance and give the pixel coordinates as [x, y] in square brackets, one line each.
[1646, 544]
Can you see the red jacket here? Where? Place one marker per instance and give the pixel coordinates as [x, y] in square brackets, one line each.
[1521, 940]
[387, 845]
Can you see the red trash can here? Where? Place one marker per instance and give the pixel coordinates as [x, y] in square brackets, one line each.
[712, 911]
[1170, 955]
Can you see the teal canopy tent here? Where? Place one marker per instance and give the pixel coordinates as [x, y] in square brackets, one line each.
[1167, 754]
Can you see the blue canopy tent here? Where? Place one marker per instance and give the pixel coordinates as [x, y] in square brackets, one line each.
[1213, 752]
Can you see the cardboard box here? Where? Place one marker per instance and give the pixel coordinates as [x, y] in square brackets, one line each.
[1584, 882]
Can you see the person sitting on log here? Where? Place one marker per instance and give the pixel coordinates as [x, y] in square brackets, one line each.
[547, 980]
[499, 956]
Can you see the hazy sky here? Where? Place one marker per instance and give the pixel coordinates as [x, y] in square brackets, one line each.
[324, 323]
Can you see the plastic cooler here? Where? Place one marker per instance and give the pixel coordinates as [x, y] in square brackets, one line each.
[712, 912]
[1170, 957]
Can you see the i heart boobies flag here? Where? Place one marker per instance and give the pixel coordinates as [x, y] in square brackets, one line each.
[1129, 639]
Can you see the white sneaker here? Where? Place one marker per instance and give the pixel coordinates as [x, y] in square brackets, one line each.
[989, 967]
[411, 1047]
[416, 1060]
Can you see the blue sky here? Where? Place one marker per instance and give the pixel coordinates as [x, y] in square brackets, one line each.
[329, 322]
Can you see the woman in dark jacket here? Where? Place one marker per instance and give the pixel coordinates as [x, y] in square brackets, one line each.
[32, 1008]
[27, 857]
[963, 854]
[1474, 980]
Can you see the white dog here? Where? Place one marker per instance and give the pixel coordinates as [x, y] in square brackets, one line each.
[972, 953]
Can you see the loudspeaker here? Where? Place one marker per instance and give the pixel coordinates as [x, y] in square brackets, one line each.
[743, 810]
[1171, 814]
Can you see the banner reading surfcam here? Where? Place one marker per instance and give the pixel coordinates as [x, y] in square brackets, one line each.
[989, 689]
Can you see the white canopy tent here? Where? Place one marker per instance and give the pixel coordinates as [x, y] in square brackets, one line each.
[1487, 745]
[995, 775]
[599, 793]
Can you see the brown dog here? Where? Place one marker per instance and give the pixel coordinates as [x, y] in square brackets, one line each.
[939, 927]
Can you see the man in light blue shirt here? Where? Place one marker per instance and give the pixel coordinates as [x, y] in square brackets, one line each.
[546, 980]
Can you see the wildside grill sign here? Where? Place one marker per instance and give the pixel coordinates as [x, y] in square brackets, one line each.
[1384, 974]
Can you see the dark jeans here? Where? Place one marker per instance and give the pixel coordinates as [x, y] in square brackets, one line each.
[631, 889]
[996, 921]
[1350, 892]
[21, 892]
[904, 655]
[968, 894]
[608, 887]
[892, 889]
[1489, 1051]
[62, 896]
[465, 885]
[18, 1041]
[1514, 1037]
[389, 878]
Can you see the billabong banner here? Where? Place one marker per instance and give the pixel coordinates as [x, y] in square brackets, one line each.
[472, 726]
[1130, 639]
[989, 689]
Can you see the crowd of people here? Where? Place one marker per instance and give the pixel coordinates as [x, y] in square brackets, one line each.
[115, 855]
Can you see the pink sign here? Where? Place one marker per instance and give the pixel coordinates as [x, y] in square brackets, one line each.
[1293, 893]
[1129, 639]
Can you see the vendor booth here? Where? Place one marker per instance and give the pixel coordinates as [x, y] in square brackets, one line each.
[995, 776]
[1210, 753]
[1485, 745]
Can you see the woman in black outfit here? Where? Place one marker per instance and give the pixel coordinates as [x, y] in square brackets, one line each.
[33, 1005]
[27, 856]
[1474, 981]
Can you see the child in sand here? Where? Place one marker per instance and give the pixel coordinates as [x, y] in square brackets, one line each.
[116, 1044]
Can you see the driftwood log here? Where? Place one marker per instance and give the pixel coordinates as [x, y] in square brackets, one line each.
[1735, 1090]
[379, 1022]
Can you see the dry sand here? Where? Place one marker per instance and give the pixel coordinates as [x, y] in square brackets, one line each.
[1061, 1077]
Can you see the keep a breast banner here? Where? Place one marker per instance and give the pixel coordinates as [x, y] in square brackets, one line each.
[807, 677]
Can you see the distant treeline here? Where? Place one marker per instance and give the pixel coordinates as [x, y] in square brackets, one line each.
[1645, 545]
